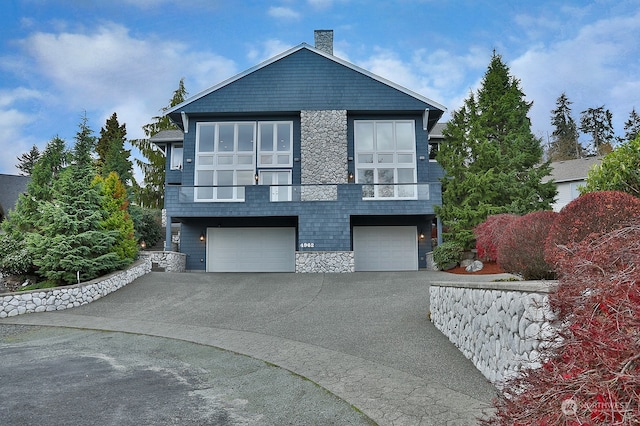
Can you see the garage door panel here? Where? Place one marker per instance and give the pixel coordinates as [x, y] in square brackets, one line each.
[251, 249]
[385, 248]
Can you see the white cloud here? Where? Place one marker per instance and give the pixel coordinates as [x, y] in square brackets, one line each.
[266, 50]
[99, 71]
[9, 97]
[109, 69]
[438, 75]
[12, 141]
[586, 67]
[280, 12]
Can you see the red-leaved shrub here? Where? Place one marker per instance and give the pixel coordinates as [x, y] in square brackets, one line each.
[521, 247]
[488, 235]
[591, 375]
[585, 218]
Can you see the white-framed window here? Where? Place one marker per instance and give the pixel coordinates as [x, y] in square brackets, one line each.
[225, 160]
[385, 153]
[275, 144]
[176, 156]
[280, 181]
[228, 155]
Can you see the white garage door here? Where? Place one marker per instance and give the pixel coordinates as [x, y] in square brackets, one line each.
[251, 249]
[385, 248]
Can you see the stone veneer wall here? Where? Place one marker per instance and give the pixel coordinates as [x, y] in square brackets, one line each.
[323, 152]
[325, 261]
[167, 261]
[499, 326]
[60, 298]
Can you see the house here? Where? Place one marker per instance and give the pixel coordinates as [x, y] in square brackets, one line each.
[569, 175]
[11, 186]
[303, 163]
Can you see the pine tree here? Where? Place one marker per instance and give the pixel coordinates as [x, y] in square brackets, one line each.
[112, 157]
[27, 160]
[492, 161]
[68, 238]
[151, 192]
[631, 126]
[564, 139]
[596, 122]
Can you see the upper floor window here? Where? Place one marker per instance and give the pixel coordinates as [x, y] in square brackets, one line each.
[225, 160]
[385, 157]
[229, 156]
[176, 156]
[275, 141]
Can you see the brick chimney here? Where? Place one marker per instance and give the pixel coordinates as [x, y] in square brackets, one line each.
[324, 40]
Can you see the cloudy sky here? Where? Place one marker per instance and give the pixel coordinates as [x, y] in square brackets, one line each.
[63, 59]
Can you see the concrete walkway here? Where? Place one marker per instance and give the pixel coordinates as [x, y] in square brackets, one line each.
[365, 337]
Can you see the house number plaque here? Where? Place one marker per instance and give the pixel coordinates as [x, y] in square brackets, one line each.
[307, 245]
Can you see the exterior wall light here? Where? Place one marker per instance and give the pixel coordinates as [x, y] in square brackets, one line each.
[256, 177]
[421, 235]
[143, 245]
[350, 176]
[202, 237]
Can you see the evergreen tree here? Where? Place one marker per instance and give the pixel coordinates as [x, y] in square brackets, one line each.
[564, 142]
[115, 205]
[632, 126]
[46, 171]
[112, 157]
[492, 161]
[27, 160]
[69, 238]
[597, 123]
[151, 192]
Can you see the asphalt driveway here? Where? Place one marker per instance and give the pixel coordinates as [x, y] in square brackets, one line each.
[365, 337]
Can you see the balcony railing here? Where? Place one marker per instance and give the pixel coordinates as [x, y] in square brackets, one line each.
[306, 193]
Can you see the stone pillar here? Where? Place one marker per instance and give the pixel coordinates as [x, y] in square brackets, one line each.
[323, 146]
[323, 153]
[167, 234]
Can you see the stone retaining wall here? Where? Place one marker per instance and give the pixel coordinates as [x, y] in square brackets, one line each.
[166, 261]
[60, 298]
[499, 326]
[325, 261]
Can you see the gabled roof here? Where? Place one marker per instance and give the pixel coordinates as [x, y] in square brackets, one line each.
[573, 170]
[174, 112]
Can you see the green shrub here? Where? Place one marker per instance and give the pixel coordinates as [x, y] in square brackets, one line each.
[14, 256]
[448, 253]
[147, 224]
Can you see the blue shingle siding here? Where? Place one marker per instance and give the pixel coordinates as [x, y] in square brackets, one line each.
[305, 80]
[326, 224]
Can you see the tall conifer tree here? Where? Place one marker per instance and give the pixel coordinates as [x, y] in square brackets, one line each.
[112, 157]
[492, 160]
[150, 193]
[564, 139]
